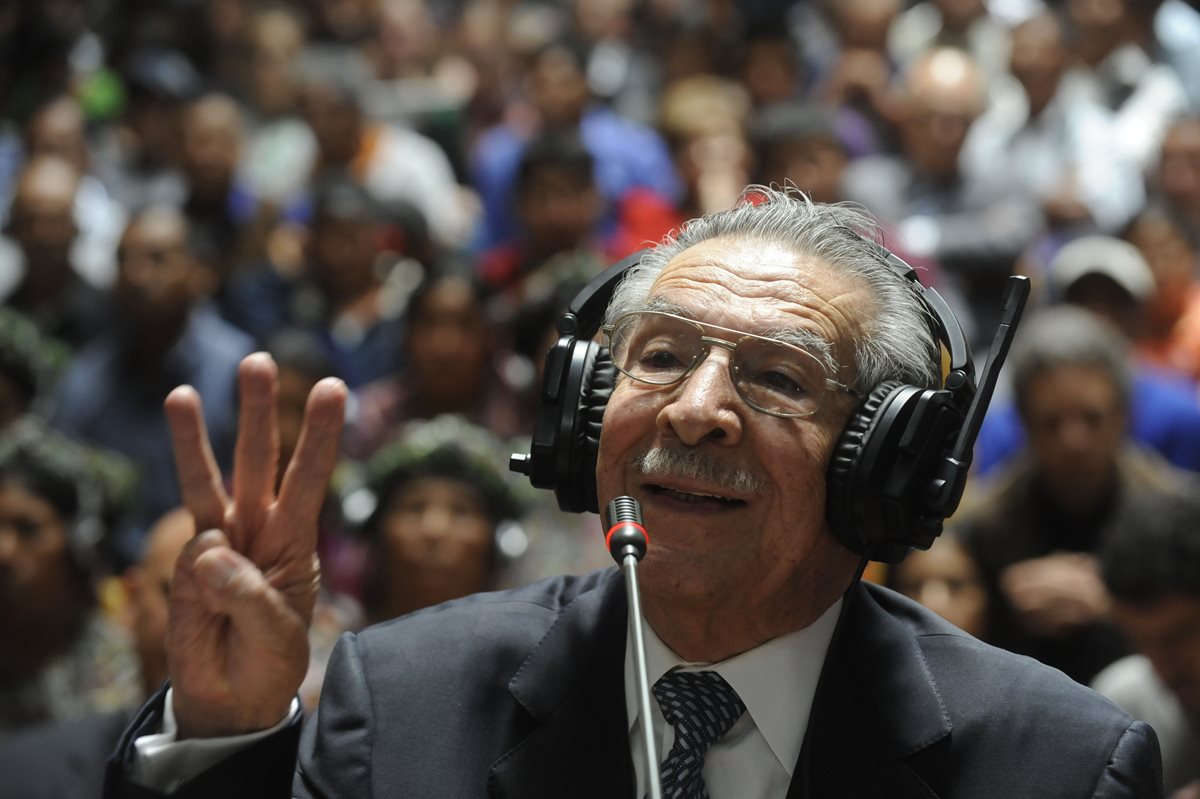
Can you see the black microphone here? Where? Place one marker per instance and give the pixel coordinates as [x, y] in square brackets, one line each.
[627, 541]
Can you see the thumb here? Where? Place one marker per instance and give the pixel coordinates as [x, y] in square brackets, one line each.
[233, 586]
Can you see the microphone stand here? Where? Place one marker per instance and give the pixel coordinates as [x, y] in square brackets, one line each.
[627, 540]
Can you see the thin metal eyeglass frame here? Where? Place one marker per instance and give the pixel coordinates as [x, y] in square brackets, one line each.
[708, 342]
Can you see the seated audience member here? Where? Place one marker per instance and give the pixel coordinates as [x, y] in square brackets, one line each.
[65, 759]
[1171, 333]
[39, 272]
[1109, 278]
[62, 657]
[441, 501]
[1034, 525]
[776, 59]
[147, 587]
[558, 208]
[1056, 144]
[702, 119]
[627, 155]
[971, 25]
[858, 85]
[392, 162]
[137, 158]
[439, 505]
[800, 143]
[280, 147]
[1113, 67]
[59, 127]
[112, 393]
[220, 206]
[345, 297]
[1150, 562]
[974, 225]
[450, 367]
[945, 579]
[1176, 177]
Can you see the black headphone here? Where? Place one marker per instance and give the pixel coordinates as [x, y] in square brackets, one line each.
[897, 471]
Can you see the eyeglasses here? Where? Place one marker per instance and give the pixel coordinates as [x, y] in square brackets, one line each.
[772, 376]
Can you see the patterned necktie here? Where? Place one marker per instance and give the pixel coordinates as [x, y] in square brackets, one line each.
[701, 707]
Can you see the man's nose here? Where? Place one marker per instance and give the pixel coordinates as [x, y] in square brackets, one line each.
[706, 405]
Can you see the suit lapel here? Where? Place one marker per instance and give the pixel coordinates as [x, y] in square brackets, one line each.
[572, 684]
[878, 724]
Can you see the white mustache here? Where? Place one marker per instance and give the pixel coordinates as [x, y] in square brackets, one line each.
[693, 464]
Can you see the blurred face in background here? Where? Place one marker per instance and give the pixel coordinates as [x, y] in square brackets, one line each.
[558, 88]
[1039, 59]
[336, 122]
[1098, 26]
[276, 39]
[1179, 167]
[557, 210]
[1075, 424]
[770, 70]
[957, 15]
[437, 539]
[1172, 259]
[407, 38]
[448, 345]
[1167, 632]
[156, 127]
[148, 585]
[158, 280]
[864, 24]
[946, 580]
[42, 217]
[344, 248]
[815, 164]
[36, 576]
[57, 129]
[212, 140]
[945, 95]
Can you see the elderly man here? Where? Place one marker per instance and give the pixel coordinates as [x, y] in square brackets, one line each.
[749, 338]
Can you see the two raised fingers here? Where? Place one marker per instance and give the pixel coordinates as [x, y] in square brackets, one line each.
[256, 456]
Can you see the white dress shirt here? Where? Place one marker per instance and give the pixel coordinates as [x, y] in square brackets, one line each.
[777, 681]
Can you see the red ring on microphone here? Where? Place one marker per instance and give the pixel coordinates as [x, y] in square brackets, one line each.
[608, 536]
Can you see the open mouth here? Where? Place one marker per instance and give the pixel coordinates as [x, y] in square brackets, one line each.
[694, 498]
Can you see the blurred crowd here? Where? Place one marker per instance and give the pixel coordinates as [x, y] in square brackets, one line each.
[406, 193]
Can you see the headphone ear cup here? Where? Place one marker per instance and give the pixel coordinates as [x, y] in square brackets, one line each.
[579, 381]
[594, 390]
[845, 466]
[886, 468]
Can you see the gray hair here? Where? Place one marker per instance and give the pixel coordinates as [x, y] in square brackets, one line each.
[1068, 336]
[896, 343]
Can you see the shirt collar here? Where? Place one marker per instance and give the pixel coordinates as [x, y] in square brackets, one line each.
[777, 680]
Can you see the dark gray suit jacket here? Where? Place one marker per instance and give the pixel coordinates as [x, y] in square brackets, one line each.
[520, 694]
[63, 759]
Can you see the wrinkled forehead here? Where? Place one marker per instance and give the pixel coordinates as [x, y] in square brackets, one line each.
[767, 288]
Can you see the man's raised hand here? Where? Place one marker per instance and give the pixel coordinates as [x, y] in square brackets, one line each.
[244, 588]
